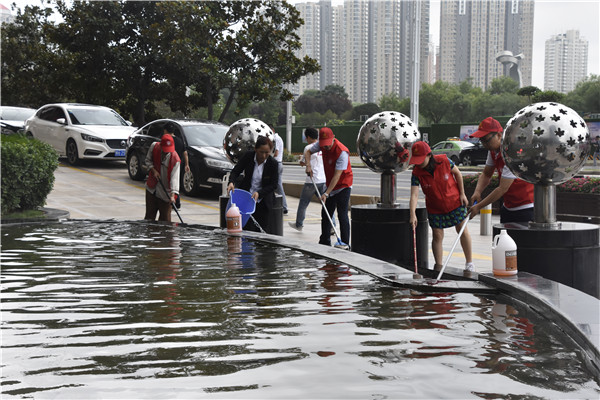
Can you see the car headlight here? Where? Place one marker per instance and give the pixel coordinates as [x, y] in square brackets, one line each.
[90, 138]
[218, 163]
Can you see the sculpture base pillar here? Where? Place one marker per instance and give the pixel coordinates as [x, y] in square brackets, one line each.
[386, 234]
[569, 255]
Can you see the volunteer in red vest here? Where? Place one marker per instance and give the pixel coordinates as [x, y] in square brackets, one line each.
[445, 199]
[163, 164]
[516, 193]
[338, 177]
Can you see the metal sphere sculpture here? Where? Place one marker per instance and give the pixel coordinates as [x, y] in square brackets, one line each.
[242, 135]
[384, 141]
[545, 143]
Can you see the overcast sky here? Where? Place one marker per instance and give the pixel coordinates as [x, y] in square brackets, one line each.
[551, 17]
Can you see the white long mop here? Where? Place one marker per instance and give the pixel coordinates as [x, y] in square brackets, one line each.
[339, 244]
[453, 247]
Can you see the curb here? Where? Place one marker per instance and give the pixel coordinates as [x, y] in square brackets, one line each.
[50, 215]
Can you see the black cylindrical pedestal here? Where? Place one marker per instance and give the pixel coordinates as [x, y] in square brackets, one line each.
[276, 213]
[569, 255]
[386, 234]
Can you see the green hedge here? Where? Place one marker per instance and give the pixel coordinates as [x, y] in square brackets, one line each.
[580, 184]
[28, 167]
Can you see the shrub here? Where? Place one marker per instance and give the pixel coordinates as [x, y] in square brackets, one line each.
[585, 184]
[28, 167]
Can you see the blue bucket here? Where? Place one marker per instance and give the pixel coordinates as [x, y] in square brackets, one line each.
[244, 201]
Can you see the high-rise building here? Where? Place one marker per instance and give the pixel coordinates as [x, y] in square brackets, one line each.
[366, 46]
[473, 33]
[565, 61]
[6, 16]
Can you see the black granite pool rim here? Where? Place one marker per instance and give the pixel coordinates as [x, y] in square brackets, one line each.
[563, 305]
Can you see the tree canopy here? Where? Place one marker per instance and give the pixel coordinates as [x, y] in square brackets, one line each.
[130, 54]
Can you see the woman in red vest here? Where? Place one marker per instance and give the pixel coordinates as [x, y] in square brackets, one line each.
[163, 164]
[445, 199]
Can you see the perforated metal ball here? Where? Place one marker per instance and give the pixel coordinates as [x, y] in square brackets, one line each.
[545, 143]
[242, 135]
[384, 141]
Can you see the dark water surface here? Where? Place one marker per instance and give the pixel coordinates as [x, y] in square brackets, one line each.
[118, 310]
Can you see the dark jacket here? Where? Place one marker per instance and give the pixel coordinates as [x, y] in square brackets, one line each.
[270, 177]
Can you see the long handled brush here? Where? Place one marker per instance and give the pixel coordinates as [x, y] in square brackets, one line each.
[416, 275]
[462, 229]
[339, 244]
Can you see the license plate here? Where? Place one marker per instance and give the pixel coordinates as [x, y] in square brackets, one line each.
[215, 180]
[119, 153]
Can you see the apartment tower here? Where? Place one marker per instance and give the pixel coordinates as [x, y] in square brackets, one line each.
[472, 33]
[565, 62]
[366, 46]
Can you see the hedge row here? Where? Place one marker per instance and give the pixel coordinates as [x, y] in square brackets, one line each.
[28, 167]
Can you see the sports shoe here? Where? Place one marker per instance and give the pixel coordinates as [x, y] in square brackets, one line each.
[296, 227]
[469, 267]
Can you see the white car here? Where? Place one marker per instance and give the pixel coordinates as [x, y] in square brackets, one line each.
[12, 119]
[81, 131]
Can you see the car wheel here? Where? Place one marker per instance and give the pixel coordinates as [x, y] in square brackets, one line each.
[467, 160]
[134, 167]
[455, 160]
[190, 183]
[72, 153]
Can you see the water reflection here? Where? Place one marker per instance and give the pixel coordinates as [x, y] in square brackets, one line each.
[104, 309]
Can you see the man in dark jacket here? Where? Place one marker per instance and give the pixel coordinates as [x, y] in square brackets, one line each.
[259, 175]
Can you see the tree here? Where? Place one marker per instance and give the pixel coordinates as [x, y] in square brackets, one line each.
[528, 91]
[333, 98]
[29, 74]
[548, 95]
[365, 109]
[435, 101]
[586, 96]
[258, 60]
[503, 84]
[392, 102]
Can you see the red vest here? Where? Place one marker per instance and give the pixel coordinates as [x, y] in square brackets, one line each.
[441, 189]
[156, 153]
[329, 159]
[520, 192]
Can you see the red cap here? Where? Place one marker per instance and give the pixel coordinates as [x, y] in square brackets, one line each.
[486, 127]
[325, 137]
[167, 144]
[419, 151]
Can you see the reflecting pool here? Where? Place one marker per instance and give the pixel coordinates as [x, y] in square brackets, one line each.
[136, 310]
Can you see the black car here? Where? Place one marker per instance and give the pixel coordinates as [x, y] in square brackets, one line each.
[473, 155]
[203, 141]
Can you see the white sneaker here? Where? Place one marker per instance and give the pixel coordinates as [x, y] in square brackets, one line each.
[296, 227]
[469, 267]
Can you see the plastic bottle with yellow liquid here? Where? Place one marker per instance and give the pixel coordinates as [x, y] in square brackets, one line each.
[504, 255]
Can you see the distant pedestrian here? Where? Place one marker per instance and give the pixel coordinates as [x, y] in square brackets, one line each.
[596, 149]
[279, 158]
[162, 185]
[257, 173]
[308, 190]
[517, 195]
[445, 200]
[339, 177]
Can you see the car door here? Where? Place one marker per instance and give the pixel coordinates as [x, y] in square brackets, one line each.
[47, 129]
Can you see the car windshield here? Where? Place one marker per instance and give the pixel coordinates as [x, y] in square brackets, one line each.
[205, 135]
[95, 116]
[16, 114]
